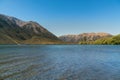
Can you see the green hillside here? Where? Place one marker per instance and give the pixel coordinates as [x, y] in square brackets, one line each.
[115, 40]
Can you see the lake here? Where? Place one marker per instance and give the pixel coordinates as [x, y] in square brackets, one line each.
[59, 62]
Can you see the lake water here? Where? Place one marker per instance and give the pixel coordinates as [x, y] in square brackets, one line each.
[59, 62]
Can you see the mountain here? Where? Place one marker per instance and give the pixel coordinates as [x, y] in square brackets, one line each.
[16, 31]
[84, 37]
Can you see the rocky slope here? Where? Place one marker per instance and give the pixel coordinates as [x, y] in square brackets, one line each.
[16, 31]
[84, 37]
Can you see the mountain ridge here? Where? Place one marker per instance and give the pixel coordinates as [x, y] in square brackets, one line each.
[16, 31]
[21, 31]
[84, 37]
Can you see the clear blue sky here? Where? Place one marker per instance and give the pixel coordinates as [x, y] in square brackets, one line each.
[67, 16]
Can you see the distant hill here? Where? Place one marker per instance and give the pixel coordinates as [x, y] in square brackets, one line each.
[84, 37]
[115, 40]
[16, 31]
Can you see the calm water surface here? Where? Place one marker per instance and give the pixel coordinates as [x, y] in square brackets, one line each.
[59, 62]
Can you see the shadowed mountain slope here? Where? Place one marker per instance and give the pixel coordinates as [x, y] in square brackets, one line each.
[15, 31]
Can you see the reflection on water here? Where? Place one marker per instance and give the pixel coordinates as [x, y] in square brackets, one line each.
[59, 62]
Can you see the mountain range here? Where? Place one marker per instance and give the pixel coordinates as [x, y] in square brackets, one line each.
[84, 37]
[16, 31]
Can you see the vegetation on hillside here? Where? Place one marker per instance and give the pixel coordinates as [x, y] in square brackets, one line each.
[115, 40]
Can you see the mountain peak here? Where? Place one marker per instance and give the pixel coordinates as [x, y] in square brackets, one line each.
[13, 20]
